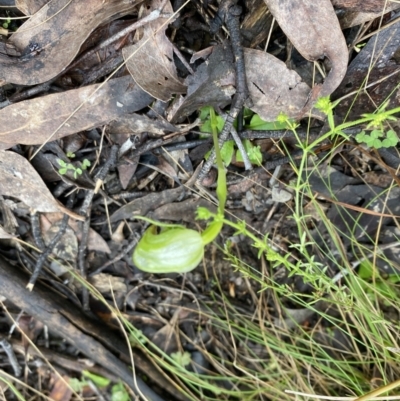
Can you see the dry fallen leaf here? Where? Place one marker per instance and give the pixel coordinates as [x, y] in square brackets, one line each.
[273, 87]
[66, 248]
[107, 284]
[19, 179]
[349, 17]
[276, 89]
[95, 241]
[151, 60]
[33, 121]
[29, 7]
[211, 84]
[5, 235]
[52, 37]
[362, 5]
[136, 124]
[61, 390]
[315, 32]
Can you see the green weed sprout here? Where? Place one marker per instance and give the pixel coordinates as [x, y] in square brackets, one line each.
[378, 138]
[7, 22]
[65, 167]
[228, 148]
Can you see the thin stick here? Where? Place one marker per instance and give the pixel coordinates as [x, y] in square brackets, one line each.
[229, 13]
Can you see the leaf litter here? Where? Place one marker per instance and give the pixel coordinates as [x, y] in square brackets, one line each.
[130, 127]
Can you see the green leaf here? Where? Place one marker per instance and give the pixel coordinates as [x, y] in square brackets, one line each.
[376, 133]
[365, 270]
[85, 164]
[99, 381]
[182, 358]
[173, 250]
[360, 137]
[392, 137]
[76, 384]
[227, 152]
[62, 163]
[386, 143]
[63, 171]
[206, 127]
[258, 124]
[119, 393]
[377, 143]
[253, 152]
[212, 231]
[204, 113]
[255, 155]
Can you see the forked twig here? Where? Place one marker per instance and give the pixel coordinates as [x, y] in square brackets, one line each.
[229, 13]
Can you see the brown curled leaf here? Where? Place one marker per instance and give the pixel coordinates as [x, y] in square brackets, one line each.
[33, 121]
[151, 62]
[52, 37]
[314, 30]
[19, 179]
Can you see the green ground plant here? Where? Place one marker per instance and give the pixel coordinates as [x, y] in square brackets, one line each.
[264, 355]
[77, 171]
[357, 299]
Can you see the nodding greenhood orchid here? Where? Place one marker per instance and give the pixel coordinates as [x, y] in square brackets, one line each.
[174, 248]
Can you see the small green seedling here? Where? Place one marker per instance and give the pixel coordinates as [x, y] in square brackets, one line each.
[119, 393]
[228, 149]
[181, 358]
[99, 381]
[7, 23]
[378, 138]
[258, 124]
[65, 167]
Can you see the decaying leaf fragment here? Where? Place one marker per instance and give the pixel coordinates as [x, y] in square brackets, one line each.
[19, 179]
[95, 241]
[4, 234]
[29, 7]
[314, 30]
[150, 61]
[211, 84]
[362, 5]
[273, 87]
[33, 121]
[52, 37]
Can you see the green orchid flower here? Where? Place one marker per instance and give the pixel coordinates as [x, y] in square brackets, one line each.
[174, 248]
